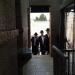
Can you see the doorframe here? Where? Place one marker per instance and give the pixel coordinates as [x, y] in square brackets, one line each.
[29, 37]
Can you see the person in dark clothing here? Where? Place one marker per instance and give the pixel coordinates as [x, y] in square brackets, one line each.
[35, 44]
[42, 42]
[47, 41]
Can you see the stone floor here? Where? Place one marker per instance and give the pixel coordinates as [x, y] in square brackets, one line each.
[39, 65]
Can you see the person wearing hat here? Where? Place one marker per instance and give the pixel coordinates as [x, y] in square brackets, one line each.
[35, 44]
[41, 42]
[47, 36]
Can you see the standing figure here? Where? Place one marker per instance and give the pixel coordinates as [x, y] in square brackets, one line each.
[35, 43]
[47, 41]
[42, 42]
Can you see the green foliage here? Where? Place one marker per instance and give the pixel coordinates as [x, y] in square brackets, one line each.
[41, 18]
[36, 19]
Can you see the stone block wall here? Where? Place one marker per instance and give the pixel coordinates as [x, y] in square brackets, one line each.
[7, 35]
[7, 15]
[8, 38]
[24, 14]
[8, 58]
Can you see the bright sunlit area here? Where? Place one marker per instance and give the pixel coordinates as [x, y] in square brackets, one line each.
[38, 22]
[69, 29]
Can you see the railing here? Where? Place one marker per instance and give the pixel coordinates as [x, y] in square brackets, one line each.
[64, 62]
[70, 61]
[59, 61]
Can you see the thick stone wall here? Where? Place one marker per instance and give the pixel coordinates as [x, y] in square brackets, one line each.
[7, 15]
[8, 38]
[55, 20]
[24, 14]
[8, 58]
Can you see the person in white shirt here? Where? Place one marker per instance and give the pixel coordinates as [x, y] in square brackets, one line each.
[41, 42]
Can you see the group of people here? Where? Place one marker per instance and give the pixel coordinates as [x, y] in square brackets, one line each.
[41, 42]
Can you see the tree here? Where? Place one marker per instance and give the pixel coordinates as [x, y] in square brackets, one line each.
[36, 19]
[41, 18]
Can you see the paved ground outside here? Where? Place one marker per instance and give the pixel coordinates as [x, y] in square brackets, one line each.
[39, 65]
